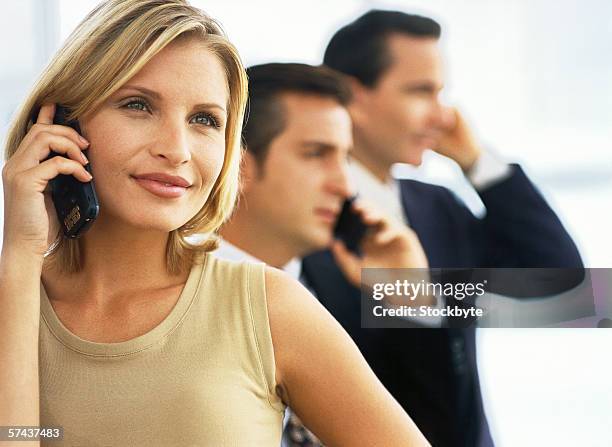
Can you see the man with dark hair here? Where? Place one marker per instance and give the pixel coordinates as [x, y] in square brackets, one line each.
[394, 68]
[294, 182]
[268, 83]
[361, 48]
[297, 136]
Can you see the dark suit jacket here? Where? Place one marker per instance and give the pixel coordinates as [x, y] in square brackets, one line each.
[432, 372]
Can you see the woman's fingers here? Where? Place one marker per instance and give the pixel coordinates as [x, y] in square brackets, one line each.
[49, 169]
[47, 142]
[58, 129]
[28, 209]
[46, 114]
[44, 122]
[43, 127]
[41, 142]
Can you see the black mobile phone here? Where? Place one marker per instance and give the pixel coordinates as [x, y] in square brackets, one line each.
[75, 202]
[349, 227]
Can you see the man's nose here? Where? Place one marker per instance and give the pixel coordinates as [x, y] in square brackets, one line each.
[440, 116]
[339, 182]
[173, 143]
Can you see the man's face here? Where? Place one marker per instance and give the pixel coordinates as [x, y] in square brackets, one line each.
[299, 190]
[400, 117]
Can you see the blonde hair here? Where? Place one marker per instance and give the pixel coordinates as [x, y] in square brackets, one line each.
[109, 47]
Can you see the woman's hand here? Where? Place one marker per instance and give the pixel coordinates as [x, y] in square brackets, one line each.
[30, 222]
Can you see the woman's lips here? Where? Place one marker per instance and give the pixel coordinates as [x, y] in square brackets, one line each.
[161, 189]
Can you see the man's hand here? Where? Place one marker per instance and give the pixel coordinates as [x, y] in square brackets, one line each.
[388, 244]
[456, 141]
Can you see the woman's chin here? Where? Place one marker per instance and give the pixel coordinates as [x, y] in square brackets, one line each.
[146, 222]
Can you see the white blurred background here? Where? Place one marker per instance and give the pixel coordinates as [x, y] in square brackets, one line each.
[534, 78]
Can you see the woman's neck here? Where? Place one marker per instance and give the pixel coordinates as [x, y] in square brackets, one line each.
[117, 259]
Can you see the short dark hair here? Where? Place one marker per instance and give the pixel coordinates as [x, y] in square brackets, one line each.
[266, 113]
[359, 49]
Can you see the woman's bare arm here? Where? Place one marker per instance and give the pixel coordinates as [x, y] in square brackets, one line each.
[19, 329]
[29, 226]
[324, 377]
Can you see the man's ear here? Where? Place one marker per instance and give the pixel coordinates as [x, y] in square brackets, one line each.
[249, 171]
[360, 98]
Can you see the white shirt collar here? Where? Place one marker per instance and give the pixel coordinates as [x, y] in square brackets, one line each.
[230, 252]
[383, 195]
[363, 176]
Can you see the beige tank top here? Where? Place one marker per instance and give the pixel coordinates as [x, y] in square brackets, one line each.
[205, 376]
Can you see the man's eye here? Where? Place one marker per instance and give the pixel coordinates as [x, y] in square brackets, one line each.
[315, 154]
[204, 119]
[322, 152]
[137, 105]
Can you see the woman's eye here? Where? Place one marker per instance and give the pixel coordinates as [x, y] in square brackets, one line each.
[137, 105]
[205, 119]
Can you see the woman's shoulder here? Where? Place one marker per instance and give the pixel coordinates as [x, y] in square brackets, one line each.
[277, 283]
[225, 266]
[280, 287]
[285, 300]
[293, 311]
[285, 291]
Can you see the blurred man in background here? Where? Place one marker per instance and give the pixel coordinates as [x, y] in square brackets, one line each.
[294, 183]
[393, 64]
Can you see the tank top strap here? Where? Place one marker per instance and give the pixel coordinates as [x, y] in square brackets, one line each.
[238, 293]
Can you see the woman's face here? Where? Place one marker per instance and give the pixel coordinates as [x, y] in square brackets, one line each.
[158, 143]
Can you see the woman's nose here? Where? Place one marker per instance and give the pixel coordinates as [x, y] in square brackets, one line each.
[173, 143]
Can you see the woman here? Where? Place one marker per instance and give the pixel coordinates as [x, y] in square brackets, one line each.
[133, 334]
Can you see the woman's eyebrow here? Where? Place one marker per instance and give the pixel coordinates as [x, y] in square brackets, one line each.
[210, 105]
[153, 94]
